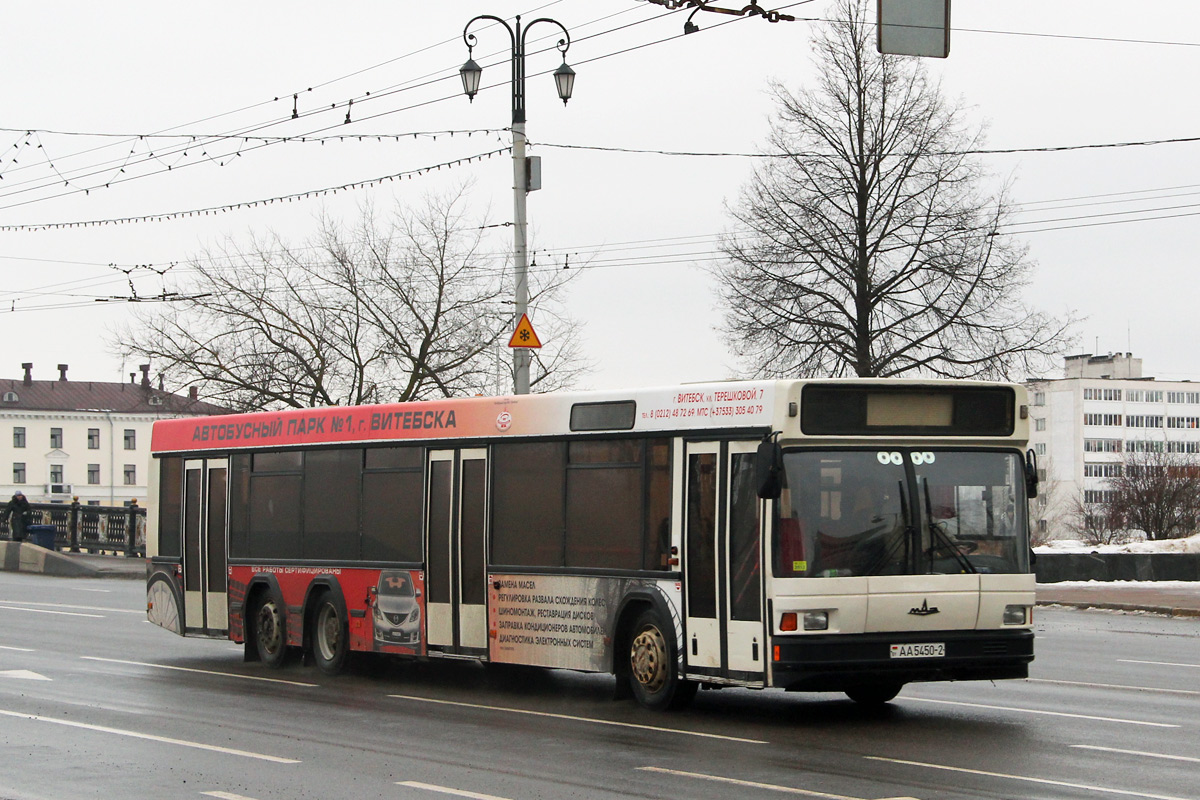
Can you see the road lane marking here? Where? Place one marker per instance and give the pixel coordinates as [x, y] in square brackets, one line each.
[1189, 759]
[1045, 713]
[22, 674]
[1114, 686]
[433, 787]
[77, 608]
[774, 787]
[1157, 663]
[226, 796]
[48, 611]
[200, 671]
[150, 737]
[1027, 779]
[655, 728]
[19, 649]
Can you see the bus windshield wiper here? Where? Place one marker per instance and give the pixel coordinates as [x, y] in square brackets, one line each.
[936, 531]
[885, 557]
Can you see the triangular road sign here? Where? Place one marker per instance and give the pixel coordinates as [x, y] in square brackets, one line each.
[524, 335]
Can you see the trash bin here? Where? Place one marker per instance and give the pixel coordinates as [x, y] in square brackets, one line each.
[41, 535]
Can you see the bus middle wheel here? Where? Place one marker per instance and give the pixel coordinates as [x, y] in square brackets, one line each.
[331, 636]
[270, 630]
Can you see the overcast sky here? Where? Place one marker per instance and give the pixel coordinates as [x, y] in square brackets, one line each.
[1112, 229]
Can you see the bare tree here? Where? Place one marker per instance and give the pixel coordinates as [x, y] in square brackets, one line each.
[866, 243]
[1157, 493]
[1089, 519]
[380, 311]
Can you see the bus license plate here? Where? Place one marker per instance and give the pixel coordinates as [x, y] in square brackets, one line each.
[926, 650]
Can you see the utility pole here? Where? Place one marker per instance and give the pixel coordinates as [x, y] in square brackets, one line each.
[564, 79]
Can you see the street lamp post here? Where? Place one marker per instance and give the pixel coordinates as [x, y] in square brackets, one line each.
[564, 79]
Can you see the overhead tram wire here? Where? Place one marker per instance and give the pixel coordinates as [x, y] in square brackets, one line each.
[244, 131]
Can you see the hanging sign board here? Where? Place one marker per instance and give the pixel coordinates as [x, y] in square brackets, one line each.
[524, 335]
[914, 28]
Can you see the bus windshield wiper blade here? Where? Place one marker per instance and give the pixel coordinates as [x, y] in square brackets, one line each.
[937, 532]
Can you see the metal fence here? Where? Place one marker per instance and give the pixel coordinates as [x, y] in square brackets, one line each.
[91, 529]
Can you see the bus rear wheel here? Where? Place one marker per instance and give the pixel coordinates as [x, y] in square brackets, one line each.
[874, 695]
[270, 631]
[653, 677]
[331, 636]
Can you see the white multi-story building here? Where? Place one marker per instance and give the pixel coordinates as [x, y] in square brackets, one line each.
[62, 439]
[1084, 423]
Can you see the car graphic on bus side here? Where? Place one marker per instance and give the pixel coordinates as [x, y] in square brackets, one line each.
[397, 612]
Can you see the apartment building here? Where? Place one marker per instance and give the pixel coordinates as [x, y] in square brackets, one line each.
[61, 439]
[1082, 424]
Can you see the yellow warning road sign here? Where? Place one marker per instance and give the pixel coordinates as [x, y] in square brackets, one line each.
[524, 335]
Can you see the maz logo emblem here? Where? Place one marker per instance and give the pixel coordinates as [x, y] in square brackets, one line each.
[924, 610]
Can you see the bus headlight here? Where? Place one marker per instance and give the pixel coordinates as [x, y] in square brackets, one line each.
[1016, 615]
[816, 620]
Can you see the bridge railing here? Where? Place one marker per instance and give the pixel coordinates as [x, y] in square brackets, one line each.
[90, 529]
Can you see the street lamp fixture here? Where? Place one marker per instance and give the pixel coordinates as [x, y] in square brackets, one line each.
[564, 79]
[564, 82]
[471, 74]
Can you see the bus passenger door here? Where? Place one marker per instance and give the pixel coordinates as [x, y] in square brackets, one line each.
[205, 523]
[456, 566]
[722, 562]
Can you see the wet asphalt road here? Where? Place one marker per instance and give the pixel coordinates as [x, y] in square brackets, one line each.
[97, 703]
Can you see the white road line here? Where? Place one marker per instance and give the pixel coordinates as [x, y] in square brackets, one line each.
[1046, 713]
[655, 728]
[150, 737]
[200, 671]
[19, 649]
[77, 608]
[226, 796]
[1114, 686]
[755, 784]
[84, 589]
[432, 787]
[48, 611]
[1027, 779]
[1157, 663]
[1189, 759]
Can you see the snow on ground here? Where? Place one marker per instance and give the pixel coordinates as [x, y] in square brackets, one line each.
[1189, 545]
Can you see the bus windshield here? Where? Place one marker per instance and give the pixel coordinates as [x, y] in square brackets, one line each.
[901, 511]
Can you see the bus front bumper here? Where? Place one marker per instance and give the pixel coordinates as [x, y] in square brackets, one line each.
[839, 662]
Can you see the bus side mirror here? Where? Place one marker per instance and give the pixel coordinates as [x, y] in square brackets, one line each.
[768, 466]
[1031, 474]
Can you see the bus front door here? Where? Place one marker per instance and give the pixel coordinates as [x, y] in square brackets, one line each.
[456, 565]
[723, 563]
[205, 602]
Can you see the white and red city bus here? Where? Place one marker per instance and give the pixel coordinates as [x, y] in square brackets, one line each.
[821, 535]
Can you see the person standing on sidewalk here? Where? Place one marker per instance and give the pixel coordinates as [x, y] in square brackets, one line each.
[18, 514]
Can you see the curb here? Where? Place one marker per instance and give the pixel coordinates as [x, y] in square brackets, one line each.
[1168, 611]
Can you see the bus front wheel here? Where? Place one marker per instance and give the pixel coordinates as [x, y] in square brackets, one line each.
[270, 630]
[331, 638]
[653, 677]
[874, 695]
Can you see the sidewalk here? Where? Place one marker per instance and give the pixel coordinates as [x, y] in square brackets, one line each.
[25, 557]
[1173, 598]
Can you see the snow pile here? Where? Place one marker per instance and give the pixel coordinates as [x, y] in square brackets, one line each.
[1188, 545]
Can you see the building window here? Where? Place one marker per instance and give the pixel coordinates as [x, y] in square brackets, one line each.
[1102, 419]
[93, 502]
[1039, 424]
[1040, 448]
[130, 439]
[93, 438]
[18, 437]
[1143, 421]
[1039, 398]
[131, 475]
[56, 438]
[1183, 447]
[1101, 445]
[56, 473]
[1183, 422]
[1143, 446]
[18, 472]
[93, 474]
